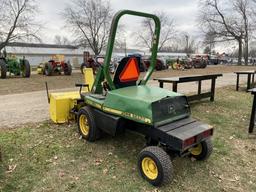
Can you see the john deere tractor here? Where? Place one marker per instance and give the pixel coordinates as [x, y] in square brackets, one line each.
[11, 65]
[123, 102]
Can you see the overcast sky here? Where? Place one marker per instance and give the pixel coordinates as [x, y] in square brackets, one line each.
[183, 12]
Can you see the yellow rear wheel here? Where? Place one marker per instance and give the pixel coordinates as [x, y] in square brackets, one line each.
[155, 165]
[197, 150]
[203, 150]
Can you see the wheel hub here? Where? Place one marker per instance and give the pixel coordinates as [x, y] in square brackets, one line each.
[84, 126]
[149, 168]
[197, 150]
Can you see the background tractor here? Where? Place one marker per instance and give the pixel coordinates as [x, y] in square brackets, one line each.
[182, 64]
[95, 63]
[200, 61]
[11, 65]
[56, 65]
[160, 65]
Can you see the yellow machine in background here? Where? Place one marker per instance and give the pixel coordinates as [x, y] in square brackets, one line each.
[61, 103]
[41, 67]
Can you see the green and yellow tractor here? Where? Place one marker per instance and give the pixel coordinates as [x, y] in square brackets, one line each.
[11, 65]
[113, 105]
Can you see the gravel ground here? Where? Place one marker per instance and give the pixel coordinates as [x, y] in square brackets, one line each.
[29, 103]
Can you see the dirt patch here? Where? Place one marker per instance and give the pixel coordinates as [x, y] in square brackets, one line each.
[37, 82]
[19, 109]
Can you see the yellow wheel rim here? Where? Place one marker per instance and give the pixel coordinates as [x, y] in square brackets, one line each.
[83, 124]
[149, 168]
[197, 150]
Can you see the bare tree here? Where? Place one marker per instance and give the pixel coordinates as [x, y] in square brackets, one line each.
[90, 22]
[17, 21]
[243, 8]
[207, 50]
[184, 42]
[223, 21]
[209, 41]
[167, 31]
[59, 40]
[254, 18]
[188, 43]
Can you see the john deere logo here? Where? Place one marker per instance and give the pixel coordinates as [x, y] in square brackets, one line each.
[171, 109]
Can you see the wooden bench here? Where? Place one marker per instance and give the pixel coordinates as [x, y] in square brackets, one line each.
[199, 78]
[250, 78]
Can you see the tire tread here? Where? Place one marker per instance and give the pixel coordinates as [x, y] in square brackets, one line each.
[165, 162]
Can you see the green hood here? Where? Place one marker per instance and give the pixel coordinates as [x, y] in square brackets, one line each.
[135, 103]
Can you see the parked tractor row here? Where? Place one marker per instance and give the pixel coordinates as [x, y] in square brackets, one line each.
[57, 65]
[196, 61]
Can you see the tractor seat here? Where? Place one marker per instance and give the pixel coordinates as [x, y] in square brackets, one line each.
[127, 72]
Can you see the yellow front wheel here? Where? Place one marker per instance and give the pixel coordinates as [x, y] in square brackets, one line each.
[86, 124]
[155, 165]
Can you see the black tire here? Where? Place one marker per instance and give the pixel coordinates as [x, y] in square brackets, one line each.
[3, 69]
[83, 65]
[195, 65]
[93, 132]
[205, 152]
[67, 69]
[48, 69]
[162, 164]
[203, 64]
[26, 69]
[158, 68]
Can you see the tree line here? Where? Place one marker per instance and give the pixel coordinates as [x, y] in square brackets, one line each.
[219, 21]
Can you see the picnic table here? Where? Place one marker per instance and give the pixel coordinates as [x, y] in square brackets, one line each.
[197, 78]
[250, 78]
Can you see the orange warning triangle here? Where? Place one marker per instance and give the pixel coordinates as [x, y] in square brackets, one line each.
[130, 72]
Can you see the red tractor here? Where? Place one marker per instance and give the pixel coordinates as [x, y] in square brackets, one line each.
[159, 64]
[56, 65]
[200, 60]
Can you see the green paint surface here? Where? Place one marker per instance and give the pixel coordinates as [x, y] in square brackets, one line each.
[136, 100]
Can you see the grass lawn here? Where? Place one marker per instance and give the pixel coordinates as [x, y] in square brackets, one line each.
[48, 157]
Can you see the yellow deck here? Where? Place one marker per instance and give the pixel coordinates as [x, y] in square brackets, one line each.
[61, 103]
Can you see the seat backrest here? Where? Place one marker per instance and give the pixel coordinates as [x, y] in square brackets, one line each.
[127, 72]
